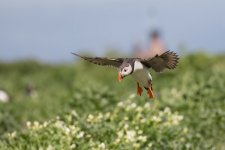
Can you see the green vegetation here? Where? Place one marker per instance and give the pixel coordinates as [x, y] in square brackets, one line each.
[82, 106]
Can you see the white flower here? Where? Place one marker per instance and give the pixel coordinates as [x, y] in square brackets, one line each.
[80, 135]
[126, 126]
[176, 119]
[150, 145]
[36, 123]
[73, 146]
[167, 110]
[185, 130]
[45, 124]
[102, 146]
[133, 105]
[66, 130]
[88, 136]
[90, 118]
[147, 105]
[161, 114]
[12, 135]
[120, 134]
[126, 118]
[130, 135]
[74, 129]
[28, 124]
[58, 124]
[142, 138]
[156, 119]
[143, 120]
[132, 96]
[57, 117]
[139, 109]
[50, 147]
[107, 115]
[180, 117]
[74, 113]
[136, 145]
[140, 131]
[120, 104]
[100, 116]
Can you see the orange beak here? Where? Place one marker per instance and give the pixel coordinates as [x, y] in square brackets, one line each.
[120, 78]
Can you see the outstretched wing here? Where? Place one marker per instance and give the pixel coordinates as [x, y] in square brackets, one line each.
[115, 62]
[167, 60]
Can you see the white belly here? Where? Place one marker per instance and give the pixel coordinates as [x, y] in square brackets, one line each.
[142, 76]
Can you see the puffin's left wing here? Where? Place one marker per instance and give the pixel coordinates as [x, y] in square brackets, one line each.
[115, 62]
[167, 60]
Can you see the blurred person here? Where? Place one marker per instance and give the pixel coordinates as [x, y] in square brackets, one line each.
[156, 46]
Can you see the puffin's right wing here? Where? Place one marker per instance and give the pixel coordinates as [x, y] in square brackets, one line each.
[115, 62]
[167, 60]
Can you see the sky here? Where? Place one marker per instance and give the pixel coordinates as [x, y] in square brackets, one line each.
[48, 30]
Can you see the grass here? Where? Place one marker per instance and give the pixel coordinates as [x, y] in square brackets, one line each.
[82, 106]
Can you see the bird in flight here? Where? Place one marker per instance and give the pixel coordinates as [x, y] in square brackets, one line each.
[138, 68]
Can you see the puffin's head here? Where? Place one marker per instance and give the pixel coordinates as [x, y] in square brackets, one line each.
[124, 70]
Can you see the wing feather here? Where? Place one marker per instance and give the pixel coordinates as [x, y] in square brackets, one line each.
[167, 60]
[103, 61]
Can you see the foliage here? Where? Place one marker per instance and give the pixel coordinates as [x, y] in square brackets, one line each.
[96, 112]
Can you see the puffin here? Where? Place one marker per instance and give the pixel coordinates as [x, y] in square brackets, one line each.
[138, 68]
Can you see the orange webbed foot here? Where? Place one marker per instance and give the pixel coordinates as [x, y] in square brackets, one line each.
[150, 92]
[139, 90]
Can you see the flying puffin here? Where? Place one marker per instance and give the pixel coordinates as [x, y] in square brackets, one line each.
[138, 67]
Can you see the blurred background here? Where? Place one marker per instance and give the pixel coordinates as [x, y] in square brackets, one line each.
[49, 30]
[40, 81]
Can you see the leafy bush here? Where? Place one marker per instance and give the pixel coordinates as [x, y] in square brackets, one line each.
[128, 126]
[96, 112]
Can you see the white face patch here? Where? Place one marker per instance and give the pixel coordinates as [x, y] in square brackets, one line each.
[126, 70]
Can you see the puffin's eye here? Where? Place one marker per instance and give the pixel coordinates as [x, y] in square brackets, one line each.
[125, 70]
